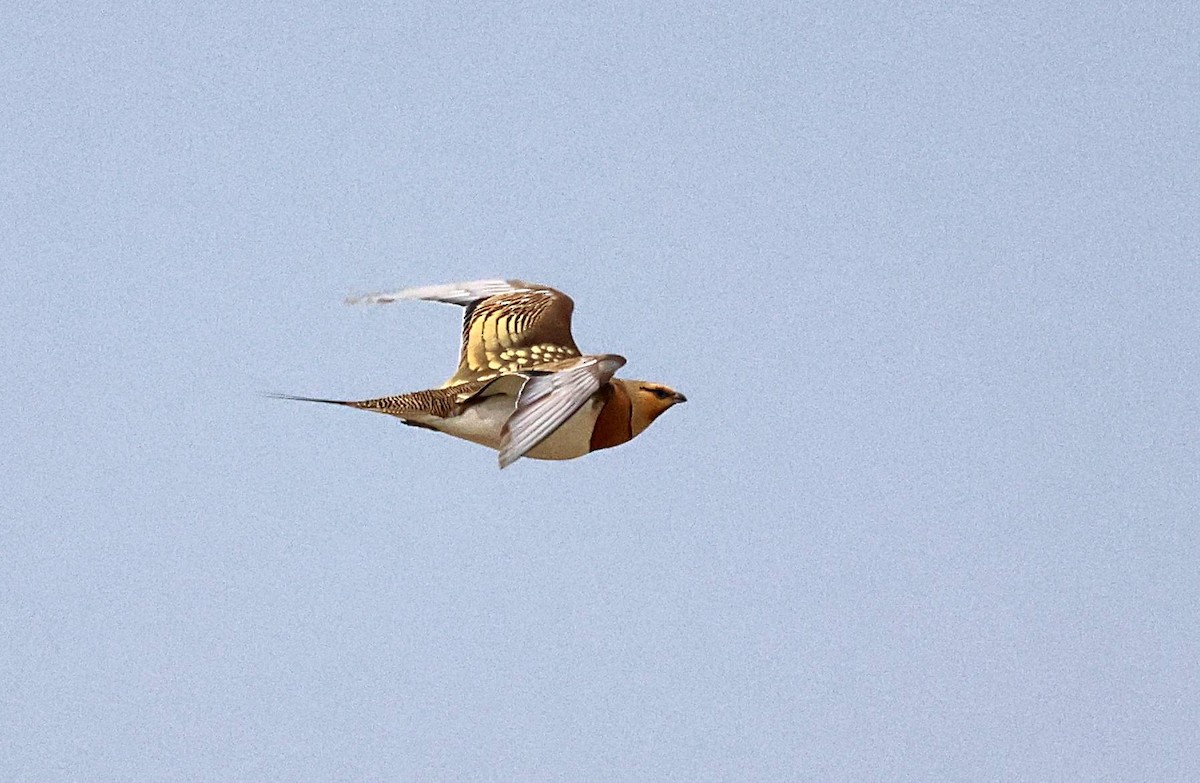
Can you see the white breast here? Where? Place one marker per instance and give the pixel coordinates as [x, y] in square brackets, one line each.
[572, 439]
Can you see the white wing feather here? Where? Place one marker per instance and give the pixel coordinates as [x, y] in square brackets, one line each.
[454, 293]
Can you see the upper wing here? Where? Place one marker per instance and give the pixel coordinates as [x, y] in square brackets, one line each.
[509, 325]
[549, 398]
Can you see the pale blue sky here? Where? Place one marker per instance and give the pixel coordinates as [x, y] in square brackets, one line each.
[928, 274]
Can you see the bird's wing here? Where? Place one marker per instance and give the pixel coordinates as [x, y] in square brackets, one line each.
[550, 397]
[509, 325]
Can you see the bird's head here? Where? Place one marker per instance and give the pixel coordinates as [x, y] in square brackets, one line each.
[649, 400]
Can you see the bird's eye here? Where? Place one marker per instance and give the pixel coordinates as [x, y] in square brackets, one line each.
[662, 394]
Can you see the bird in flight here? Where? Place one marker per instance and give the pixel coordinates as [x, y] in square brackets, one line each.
[522, 386]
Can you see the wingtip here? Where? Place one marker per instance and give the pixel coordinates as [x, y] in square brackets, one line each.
[505, 456]
[373, 298]
[450, 293]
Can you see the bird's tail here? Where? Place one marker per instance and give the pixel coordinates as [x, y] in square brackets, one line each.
[349, 403]
[415, 408]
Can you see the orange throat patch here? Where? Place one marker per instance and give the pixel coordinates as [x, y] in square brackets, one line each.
[614, 425]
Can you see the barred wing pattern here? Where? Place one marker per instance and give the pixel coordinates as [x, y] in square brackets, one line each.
[509, 326]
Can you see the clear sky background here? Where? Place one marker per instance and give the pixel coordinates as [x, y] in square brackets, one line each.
[928, 274]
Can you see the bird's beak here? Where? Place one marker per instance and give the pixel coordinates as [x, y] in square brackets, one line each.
[679, 397]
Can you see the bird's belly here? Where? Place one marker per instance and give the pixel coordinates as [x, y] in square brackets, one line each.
[483, 422]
